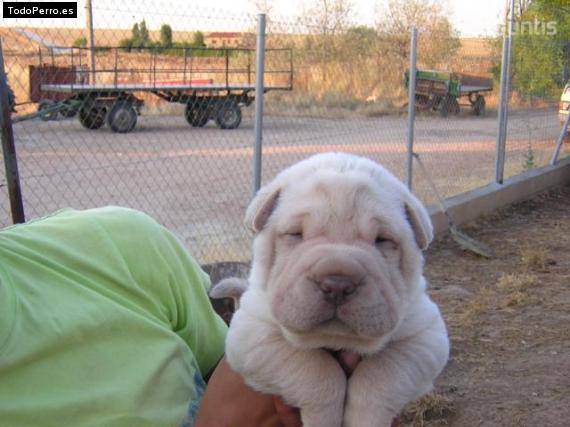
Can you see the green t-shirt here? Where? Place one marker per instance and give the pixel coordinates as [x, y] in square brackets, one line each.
[104, 321]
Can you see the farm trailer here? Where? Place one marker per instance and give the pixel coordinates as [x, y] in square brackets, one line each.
[442, 90]
[206, 80]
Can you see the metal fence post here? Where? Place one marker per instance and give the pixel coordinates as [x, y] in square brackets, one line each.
[259, 88]
[561, 138]
[411, 107]
[9, 149]
[503, 114]
[91, 39]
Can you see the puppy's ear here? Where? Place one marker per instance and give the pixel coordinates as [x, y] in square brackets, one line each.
[261, 208]
[420, 221]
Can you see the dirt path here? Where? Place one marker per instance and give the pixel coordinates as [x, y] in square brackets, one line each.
[508, 318]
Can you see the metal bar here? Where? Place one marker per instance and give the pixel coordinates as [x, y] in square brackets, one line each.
[561, 138]
[9, 149]
[191, 65]
[185, 64]
[503, 114]
[91, 36]
[154, 67]
[258, 125]
[248, 68]
[291, 68]
[227, 52]
[116, 64]
[411, 107]
[150, 65]
[501, 117]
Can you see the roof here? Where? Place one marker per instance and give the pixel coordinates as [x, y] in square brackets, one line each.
[225, 35]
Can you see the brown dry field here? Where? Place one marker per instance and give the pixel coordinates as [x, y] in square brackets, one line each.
[508, 320]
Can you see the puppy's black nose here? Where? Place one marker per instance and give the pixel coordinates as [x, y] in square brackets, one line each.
[336, 289]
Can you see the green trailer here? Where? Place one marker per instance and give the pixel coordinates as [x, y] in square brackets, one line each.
[442, 91]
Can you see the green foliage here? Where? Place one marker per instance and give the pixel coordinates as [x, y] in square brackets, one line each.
[126, 43]
[140, 38]
[166, 36]
[541, 48]
[144, 36]
[80, 42]
[438, 40]
[198, 39]
[362, 40]
[529, 162]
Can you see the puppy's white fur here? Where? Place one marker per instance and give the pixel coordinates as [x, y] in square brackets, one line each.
[338, 215]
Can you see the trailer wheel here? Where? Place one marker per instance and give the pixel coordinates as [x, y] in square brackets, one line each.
[68, 111]
[228, 116]
[45, 104]
[479, 105]
[449, 105]
[92, 116]
[122, 117]
[196, 115]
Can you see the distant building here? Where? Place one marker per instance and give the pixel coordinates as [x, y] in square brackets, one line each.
[223, 39]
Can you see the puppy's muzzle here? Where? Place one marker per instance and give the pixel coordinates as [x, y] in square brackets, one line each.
[337, 289]
[337, 277]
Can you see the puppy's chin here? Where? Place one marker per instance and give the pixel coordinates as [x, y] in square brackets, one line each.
[335, 335]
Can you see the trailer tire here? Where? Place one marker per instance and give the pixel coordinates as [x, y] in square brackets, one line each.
[122, 117]
[196, 115]
[68, 111]
[228, 116]
[479, 105]
[92, 116]
[45, 104]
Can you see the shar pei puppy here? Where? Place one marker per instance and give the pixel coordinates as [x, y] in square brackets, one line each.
[337, 267]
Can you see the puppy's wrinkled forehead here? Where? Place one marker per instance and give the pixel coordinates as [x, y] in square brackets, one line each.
[338, 201]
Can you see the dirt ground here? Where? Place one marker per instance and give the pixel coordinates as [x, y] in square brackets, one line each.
[508, 319]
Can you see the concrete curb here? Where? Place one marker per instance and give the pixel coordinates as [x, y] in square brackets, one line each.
[484, 200]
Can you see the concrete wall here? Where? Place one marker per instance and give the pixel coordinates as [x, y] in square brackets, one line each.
[471, 205]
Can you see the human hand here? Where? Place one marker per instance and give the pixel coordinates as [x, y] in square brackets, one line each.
[229, 402]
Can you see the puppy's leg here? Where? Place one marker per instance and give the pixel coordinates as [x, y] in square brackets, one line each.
[383, 383]
[311, 380]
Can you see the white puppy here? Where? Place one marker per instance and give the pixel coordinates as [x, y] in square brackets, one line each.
[337, 265]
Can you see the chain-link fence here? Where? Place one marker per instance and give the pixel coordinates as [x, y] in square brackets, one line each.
[160, 117]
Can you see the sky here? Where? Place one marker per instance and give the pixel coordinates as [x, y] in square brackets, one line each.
[470, 18]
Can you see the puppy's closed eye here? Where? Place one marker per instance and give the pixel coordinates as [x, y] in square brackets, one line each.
[293, 236]
[383, 243]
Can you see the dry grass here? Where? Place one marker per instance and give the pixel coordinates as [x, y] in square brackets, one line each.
[515, 288]
[535, 258]
[478, 305]
[512, 290]
[433, 406]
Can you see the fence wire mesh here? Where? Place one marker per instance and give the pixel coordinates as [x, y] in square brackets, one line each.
[540, 71]
[161, 119]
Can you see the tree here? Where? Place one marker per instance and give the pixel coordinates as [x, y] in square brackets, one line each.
[541, 51]
[360, 41]
[198, 39]
[80, 42]
[438, 40]
[328, 17]
[144, 35]
[135, 36]
[166, 36]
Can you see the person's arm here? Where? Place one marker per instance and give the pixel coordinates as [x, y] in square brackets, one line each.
[229, 402]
